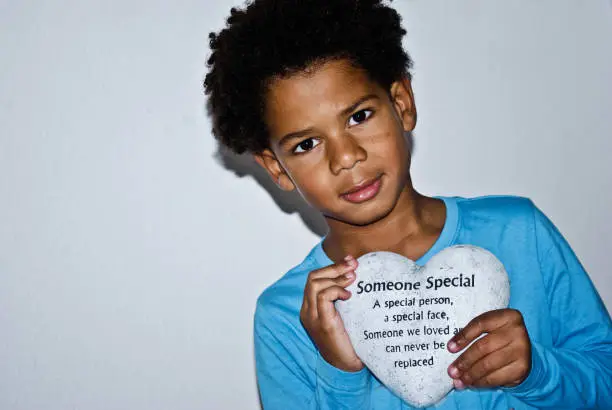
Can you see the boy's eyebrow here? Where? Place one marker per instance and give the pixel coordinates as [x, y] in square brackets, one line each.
[356, 104]
[293, 135]
[344, 112]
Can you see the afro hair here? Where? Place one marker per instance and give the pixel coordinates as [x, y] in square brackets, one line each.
[276, 38]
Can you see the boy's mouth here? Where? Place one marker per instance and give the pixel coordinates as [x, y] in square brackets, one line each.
[363, 191]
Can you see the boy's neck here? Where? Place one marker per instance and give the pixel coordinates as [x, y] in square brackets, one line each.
[410, 229]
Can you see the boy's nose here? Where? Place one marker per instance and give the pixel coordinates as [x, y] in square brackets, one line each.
[344, 153]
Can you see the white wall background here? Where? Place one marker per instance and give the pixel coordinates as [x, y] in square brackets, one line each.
[131, 259]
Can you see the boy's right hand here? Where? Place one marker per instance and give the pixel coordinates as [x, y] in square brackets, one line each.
[321, 319]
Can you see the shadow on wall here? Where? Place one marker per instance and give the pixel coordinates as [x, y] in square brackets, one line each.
[288, 202]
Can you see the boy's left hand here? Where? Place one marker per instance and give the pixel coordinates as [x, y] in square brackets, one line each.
[500, 358]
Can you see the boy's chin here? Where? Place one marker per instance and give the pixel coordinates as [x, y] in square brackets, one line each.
[360, 219]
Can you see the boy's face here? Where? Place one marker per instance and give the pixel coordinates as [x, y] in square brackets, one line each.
[339, 138]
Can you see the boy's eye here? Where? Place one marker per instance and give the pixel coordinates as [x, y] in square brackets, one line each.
[359, 117]
[305, 145]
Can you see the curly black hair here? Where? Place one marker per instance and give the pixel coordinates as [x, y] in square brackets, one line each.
[276, 38]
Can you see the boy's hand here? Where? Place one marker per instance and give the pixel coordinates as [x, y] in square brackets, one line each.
[320, 318]
[500, 358]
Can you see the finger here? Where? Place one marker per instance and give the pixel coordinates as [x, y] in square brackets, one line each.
[485, 323]
[350, 259]
[316, 286]
[506, 376]
[477, 351]
[333, 271]
[489, 364]
[341, 275]
[458, 384]
[325, 301]
[344, 275]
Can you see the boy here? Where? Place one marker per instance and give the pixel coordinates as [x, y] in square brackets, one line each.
[319, 92]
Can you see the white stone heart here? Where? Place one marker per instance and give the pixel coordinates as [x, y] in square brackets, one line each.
[401, 315]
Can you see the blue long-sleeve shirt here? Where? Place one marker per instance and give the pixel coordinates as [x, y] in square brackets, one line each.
[569, 327]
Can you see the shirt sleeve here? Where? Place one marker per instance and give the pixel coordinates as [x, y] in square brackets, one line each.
[291, 374]
[576, 372]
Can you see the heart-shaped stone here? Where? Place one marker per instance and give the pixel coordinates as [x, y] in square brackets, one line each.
[401, 315]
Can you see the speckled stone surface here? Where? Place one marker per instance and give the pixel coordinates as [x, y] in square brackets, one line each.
[469, 281]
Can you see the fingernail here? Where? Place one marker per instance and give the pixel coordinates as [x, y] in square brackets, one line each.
[351, 265]
[348, 258]
[453, 371]
[452, 346]
[458, 384]
[349, 275]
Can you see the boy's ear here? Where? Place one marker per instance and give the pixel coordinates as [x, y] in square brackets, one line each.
[268, 161]
[403, 100]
